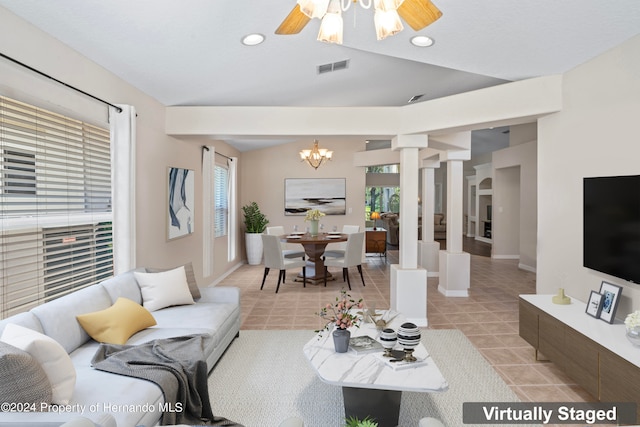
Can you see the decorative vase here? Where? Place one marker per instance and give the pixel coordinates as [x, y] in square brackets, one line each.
[341, 340]
[633, 335]
[313, 227]
[388, 338]
[253, 244]
[409, 337]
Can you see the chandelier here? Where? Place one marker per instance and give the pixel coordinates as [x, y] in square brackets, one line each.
[316, 156]
[418, 13]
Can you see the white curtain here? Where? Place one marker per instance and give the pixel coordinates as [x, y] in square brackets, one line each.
[123, 186]
[208, 162]
[232, 218]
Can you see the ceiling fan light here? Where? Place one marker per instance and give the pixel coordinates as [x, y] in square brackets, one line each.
[314, 8]
[331, 28]
[387, 23]
[387, 4]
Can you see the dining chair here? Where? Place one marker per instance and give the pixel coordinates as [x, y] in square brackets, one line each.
[352, 258]
[289, 250]
[336, 250]
[274, 258]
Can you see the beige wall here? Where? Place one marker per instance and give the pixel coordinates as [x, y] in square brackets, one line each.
[595, 134]
[515, 208]
[264, 171]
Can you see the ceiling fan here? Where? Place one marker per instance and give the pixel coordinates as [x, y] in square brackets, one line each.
[417, 13]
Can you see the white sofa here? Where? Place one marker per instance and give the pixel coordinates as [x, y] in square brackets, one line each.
[216, 313]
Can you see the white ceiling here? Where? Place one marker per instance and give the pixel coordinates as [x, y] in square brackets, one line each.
[188, 52]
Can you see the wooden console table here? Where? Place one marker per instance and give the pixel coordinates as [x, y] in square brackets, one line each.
[376, 241]
[595, 354]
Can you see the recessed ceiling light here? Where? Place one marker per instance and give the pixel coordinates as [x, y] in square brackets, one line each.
[422, 41]
[252, 39]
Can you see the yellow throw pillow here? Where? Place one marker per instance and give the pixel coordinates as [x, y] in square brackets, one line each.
[116, 324]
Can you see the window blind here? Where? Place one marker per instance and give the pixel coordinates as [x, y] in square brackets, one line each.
[55, 205]
[221, 200]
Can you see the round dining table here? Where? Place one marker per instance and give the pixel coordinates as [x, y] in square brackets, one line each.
[314, 247]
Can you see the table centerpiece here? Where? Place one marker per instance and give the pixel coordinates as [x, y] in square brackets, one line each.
[340, 315]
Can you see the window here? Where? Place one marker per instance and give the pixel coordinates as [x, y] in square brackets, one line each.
[221, 200]
[20, 172]
[55, 205]
[384, 195]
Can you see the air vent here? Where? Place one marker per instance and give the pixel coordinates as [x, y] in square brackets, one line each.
[414, 98]
[335, 66]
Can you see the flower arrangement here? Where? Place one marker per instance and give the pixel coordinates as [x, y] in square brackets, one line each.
[340, 313]
[632, 320]
[313, 215]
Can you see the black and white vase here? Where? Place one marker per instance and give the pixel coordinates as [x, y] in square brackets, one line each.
[388, 338]
[409, 337]
[341, 340]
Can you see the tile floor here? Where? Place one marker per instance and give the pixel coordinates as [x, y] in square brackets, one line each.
[488, 317]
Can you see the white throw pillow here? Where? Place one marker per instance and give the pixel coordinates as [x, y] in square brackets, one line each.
[160, 290]
[53, 358]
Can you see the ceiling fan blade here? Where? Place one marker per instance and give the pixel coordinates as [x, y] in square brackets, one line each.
[294, 22]
[419, 13]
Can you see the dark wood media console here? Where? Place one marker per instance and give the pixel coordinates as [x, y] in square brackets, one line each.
[595, 354]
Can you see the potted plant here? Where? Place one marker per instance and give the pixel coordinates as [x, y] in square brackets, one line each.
[356, 422]
[255, 223]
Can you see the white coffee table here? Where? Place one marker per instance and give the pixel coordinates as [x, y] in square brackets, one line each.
[369, 386]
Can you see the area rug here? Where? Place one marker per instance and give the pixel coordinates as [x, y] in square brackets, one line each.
[263, 378]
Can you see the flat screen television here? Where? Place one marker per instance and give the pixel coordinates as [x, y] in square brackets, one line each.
[612, 226]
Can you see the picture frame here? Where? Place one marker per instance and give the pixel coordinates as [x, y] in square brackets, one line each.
[594, 306]
[610, 299]
[328, 195]
[180, 202]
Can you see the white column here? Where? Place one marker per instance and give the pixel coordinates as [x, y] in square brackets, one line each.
[409, 207]
[428, 248]
[408, 280]
[455, 265]
[455, 216]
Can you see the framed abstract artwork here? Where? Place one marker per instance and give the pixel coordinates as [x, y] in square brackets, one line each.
[328, 195]
[610, 299]
[181, 203]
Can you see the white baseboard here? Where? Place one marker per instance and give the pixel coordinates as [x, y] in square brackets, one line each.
[527, 268]
[433, 274]
[505, 256]
[227, 273]
[456, 293]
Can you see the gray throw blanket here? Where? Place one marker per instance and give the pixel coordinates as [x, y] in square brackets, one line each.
[177, 366]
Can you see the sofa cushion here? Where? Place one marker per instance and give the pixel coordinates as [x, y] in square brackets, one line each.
[123, 285]
[58, 317]
[191, 278]
[23, 379]
[52, 357]
[131, 401]
[160, 290]
[117, 323]
[26, 319]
